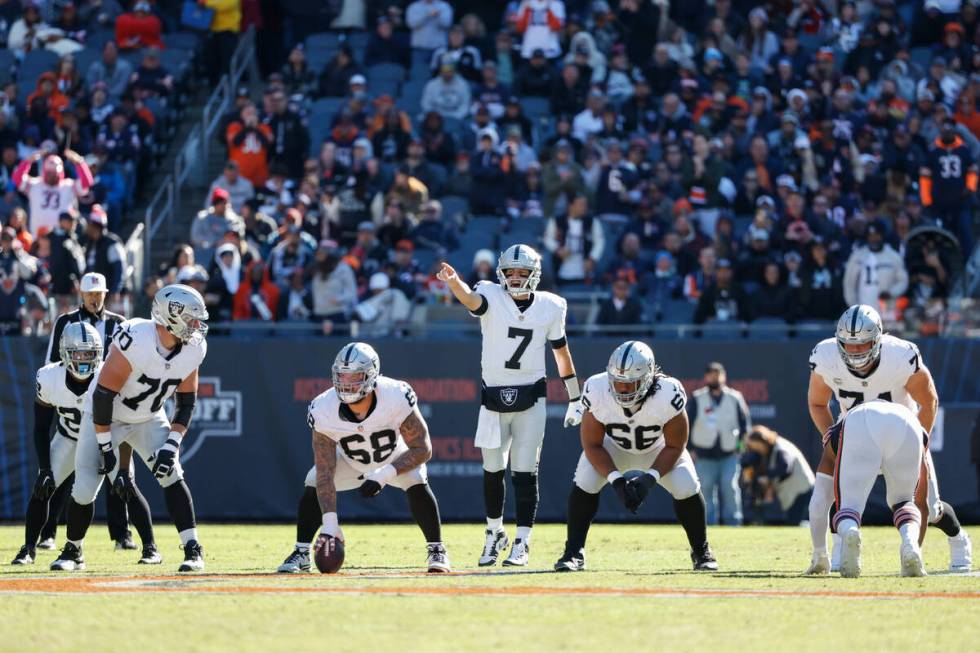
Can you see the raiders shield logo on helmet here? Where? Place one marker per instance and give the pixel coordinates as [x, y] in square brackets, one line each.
[508, 396]
[175, 308]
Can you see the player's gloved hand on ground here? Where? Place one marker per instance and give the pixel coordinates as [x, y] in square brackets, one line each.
[108, 458]
[165, 458]
[370, 489]
[123, 487]
[640, 486]
[44, 486]
[573, 414]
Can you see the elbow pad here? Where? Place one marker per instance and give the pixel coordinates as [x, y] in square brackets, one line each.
[102, 400]
[184, 408]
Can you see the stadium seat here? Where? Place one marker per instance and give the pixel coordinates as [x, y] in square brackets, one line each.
[768, 328]
[322, 41]
[390, 71]
[36, 62]
[455, 209]
[84, 60]
[535, 107]
[357, 41]
[96, 40]
[526, 231]
[379, 87]
[7, 63]
[921, 57]
[714, 330]
[482, 231]
[318, 59]
[182, 40]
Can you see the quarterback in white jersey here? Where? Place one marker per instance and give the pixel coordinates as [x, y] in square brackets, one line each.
[517, 322]
[52, 193]
[367, 433]
[149, 361]
[634, 420]
[860, 364]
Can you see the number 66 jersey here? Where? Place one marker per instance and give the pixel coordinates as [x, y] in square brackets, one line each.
[898, 361]
[639, 432]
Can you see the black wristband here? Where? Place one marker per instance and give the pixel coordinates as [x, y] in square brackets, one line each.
[184, 409]
[102, 399]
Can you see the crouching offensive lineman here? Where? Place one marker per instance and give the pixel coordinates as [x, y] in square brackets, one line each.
[149, 360]
[634, 420]
[367, 433]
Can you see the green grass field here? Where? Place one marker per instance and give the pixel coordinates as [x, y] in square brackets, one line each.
[638, 592]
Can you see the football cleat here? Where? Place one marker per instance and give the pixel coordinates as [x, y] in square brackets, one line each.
[519, 554]
[126, 544]
[835, 548]
[912, 564]
[704, 559]
[571, 561]
[24, 557]
[70, 559]
[296, 562]
[47, 545]
[150, 555]
[193, 557]
[438, 559]
[819, 566]
[960, 553]
[850, 554]
[496, 542]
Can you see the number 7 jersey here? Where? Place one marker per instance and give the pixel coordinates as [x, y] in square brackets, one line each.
[899, 361]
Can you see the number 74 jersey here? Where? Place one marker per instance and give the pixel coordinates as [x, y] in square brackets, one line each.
[154, 377]
[899, 360]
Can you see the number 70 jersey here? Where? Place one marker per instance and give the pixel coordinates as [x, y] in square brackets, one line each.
[154, 377]
[899, 360]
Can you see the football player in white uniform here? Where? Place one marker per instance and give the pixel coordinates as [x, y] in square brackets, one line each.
[149, 361]
[517, 322]
[859, 364]
[368, 433]
[62, 388]
[635, 420]
[875, 437]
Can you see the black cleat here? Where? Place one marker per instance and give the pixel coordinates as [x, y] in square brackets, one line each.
[703, 559]
[193, 557]
[150, 555]
[24, 557]
[571, 561]
[126, 544]
[70, 559]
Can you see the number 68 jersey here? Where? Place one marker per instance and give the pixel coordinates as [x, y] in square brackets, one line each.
[899, 360]
[374, 441]
[154, 377]
[641, 431]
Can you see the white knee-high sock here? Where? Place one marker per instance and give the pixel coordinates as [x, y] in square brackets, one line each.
[845, 526]
[820, 502]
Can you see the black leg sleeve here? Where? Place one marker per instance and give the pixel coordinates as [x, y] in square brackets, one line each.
[180, 505]
[56, 508]
[525, 497]
[949, 523]
[139, 515]
[116, 516]
[425, 510]
[308, 515]
[582, 508]
[493, 493]
[691, 514]
[79, 518]
[37, 515]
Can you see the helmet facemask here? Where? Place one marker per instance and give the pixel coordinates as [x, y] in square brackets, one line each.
[637, 390]
[352, 385]
[517, 285]
[82, 362]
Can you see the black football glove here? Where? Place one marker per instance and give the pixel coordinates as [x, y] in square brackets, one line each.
[108, 458]
[44, 486]
[123, 487]
[370, 489]
[624, 492]
[640, 487]
[165, 459]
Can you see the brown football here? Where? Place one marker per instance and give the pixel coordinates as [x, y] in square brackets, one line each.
[328, 552]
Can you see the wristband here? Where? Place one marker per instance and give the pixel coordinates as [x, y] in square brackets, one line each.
[330, 522]
[176, 437]
[614, 476]
[655, 474]
[103, 438]
[572, 388]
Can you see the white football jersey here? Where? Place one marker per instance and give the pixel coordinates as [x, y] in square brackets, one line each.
[155, 376]
[53, 390]
[514, 342]
[46, 202]
[375, 441]
[899, 360]
[641, 430]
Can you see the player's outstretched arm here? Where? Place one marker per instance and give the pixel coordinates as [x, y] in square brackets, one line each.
[415, 433]
[922, 389]
[325, 459]
[818, 397]
[461, 291]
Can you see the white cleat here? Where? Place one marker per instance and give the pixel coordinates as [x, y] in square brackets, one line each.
[47, 545]
[912, 564]
[438, 559]
[834, 553]
[519, 555]
[960, 553]
[850, 555]
[819, 566]
[494, 545]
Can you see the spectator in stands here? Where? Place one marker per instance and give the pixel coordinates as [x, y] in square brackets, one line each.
[384, 309]
[754, 258]
[946, 188]
[569, 91]
[226, 276]
[105, 253]
[589, 121]
[17, 269]
[622, 307]
[664, 285]
[387, 45]
[369, 252]
[773, 299]
[821, 290]
[333, 285]
[536, 77]
[460, 180]
[30, 32]
[404, 270]
[561, 177]
[66, 258]
[257, 297]
[698, 280]
[488, 192]
[119, 140]
[432, 232]
[408, 191]
[223, 38]
[249, 143]
[139, 28]
[48, 97]
[429, 21]
[296, 300]
[110, 70]
[335, 80]
[576, 242]
[212, 223]
[723, 300]
[874, 271]
[239, 189]
[151, 80]
[297, 76]
[447, 93]
[51, 193]
[484, 267]
[465, 58]
[540, 23]
[290, 135]
[182, 256]
[289, 255]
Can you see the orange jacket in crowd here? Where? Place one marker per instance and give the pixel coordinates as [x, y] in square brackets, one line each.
[242, 308]
[249, 148]
[57, 101]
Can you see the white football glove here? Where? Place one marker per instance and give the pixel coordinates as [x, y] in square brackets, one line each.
[573, 414]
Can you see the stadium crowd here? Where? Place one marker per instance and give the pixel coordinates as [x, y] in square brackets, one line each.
[722, 161]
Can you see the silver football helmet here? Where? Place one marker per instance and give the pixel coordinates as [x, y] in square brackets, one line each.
[81, 349]
[859, 325]
[631, 363]
[180, 310]
[519, 257]
[355, 371]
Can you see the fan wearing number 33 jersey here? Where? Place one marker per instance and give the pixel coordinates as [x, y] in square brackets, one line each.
[367, 433]
[149, 361]
[635, 420]
[861, 364]
[517, 323]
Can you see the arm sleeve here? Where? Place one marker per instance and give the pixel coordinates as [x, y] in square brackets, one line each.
[43, 418]
[85, 179]
[20, 177]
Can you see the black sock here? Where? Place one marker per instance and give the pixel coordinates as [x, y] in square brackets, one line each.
[525, 497]
[582, 508]
[308, 516]
[691, 514]
[493, 493]
[949, 523]
[79, 518]
[116, 518]
[139, 516]
[425, 511]
[833, 511]
[37, 515]
[180, 505]
[56, 508]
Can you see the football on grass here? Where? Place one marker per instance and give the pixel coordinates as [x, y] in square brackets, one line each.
[329, 554]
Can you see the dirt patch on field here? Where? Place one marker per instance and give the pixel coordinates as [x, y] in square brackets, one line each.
[266, 584]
